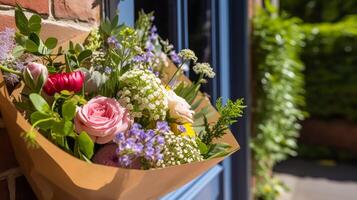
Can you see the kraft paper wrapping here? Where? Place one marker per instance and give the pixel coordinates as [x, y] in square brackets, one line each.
[55, 174]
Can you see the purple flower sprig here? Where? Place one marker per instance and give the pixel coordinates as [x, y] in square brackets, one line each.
[113, 42]
[139, 148]
[7, 43]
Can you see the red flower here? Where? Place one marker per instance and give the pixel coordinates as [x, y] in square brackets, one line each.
[72, 81]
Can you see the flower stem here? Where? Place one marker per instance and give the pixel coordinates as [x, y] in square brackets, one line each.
[173, 76]
[5, 69]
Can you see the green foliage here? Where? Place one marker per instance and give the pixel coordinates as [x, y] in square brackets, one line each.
[331, 64]
[75, 55]
[279, 94]
[319, 10]
[120, 56]
[39, 103]
[228, 116]
[56, 122]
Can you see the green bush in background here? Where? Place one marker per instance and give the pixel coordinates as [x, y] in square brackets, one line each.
[319, 10]
[330, 57]
[279, 95]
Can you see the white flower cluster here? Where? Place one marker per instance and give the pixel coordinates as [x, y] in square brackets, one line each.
[143, 94]
[93, 41]
[204, 69]
[188, 54]
[179, 150]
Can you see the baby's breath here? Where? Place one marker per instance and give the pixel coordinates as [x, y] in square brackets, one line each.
[179, 150]
[143, 94]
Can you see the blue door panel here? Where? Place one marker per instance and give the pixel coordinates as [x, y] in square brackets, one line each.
[205, 187]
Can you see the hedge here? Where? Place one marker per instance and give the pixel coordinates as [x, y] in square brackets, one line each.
[331, 69]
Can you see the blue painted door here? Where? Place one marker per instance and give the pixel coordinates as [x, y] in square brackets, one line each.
[203, 26]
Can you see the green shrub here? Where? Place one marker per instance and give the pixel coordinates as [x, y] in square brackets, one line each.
[331, 69]
[279, 95]
[319, 10]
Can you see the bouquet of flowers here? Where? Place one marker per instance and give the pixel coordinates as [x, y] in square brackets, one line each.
[118, 98]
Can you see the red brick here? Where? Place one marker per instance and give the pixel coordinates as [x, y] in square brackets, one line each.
[39, 6]
[48, 30]
[6, 21]
[62, 33]
[84, 10]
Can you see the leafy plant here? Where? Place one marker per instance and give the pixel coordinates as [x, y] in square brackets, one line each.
[331, 66]
[56, 122]
[279, 90]
[228, 116]
[319, 10]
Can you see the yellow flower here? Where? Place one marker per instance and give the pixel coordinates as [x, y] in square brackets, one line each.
[183, 130]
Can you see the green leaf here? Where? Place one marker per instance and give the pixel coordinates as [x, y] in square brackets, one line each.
[39, 103]
[78, 48]
[21, 21]
[60, 49]
[86, 144]
[71, 46]
[66, 93]
[115, 21]
[34, 24]
[64, 127]
[31, 46]
[68, 110]
[36, 116]
[202, 146]
[218, 150]
[51, 42]
[35, 38]
[35, 19]
[106, 27]
[18, 51]
[84, 55]
[42, 49]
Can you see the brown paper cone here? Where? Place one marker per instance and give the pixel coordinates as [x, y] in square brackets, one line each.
[55, 174]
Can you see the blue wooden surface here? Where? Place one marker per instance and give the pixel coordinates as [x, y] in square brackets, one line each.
[205, 187]
[126, 12]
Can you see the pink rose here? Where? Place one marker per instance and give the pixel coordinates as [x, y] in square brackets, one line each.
[102, 118]
[35, 75]
[179, 108]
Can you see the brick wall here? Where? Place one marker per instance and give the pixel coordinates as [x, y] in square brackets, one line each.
[69, 15]
[60, 17]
